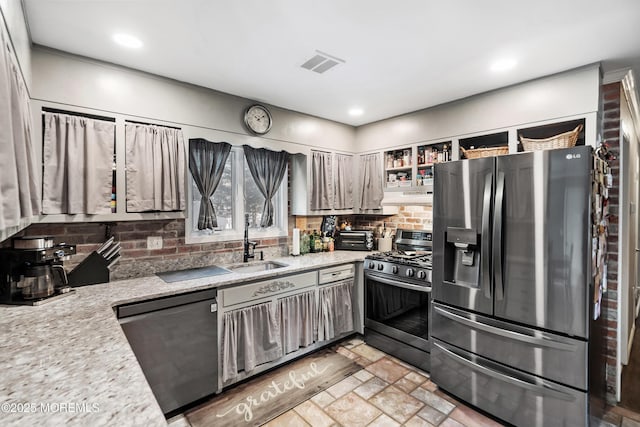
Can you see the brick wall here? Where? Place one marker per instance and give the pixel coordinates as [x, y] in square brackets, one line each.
[611, 137]
[410, 217]
[136, 260]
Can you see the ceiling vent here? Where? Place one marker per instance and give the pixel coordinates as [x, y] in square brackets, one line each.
[322, 62]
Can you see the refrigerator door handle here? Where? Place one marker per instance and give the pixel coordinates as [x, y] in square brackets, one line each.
[485, 237]
[544, 389]
[541, 341]
[497, 237]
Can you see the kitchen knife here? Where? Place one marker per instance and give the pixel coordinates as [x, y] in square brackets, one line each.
[113, 260]
[105, 245]
[115, 249]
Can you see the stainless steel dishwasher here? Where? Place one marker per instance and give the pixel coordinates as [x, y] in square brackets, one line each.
[175, 342]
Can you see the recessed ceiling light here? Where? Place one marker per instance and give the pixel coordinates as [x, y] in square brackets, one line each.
[127, 40]
[356, 112]
[504, 64]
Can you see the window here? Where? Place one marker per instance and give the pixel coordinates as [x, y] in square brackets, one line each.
[236, 195]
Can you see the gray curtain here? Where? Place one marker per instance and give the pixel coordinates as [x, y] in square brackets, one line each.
[372, 191]
[343, 180]
[267, 168]
[206, 164]
[297, 320]
[19, 179]
[321, 185]
[335, 310]
[155, 168]
[78, 165]
[251, 337]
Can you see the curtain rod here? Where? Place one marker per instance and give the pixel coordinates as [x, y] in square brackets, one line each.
[152, 124]
[76, 113]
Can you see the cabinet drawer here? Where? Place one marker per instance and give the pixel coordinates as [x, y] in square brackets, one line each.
[268, 288]
[328, 275]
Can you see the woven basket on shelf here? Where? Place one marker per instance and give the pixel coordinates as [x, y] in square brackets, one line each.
[476, 153]
[563, 140]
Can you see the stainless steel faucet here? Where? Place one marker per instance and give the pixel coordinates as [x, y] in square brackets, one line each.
[248, 246]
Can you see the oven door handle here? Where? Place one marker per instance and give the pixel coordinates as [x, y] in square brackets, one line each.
[399, 284]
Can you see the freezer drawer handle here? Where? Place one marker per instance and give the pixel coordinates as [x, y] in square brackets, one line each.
[400, 284]
[540, 389]
[537, 341]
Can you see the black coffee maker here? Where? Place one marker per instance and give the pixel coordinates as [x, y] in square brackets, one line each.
[31, 270]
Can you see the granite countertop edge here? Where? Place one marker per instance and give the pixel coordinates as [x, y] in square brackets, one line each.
[67, 362]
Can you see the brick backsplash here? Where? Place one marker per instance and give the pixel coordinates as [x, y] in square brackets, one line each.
[136, 260]
[408, 217]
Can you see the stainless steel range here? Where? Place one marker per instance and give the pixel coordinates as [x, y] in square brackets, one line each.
[398, 298]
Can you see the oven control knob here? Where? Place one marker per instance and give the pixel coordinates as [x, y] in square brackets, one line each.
[422, 275]
[372, 265]
[409, 272]
[380, 266]
[394, 269]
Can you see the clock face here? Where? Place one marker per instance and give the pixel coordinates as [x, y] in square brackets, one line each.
[258, 119]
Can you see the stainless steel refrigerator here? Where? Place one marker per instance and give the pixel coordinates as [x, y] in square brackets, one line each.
[512, 321]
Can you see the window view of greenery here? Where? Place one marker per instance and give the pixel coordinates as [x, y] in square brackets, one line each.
[232, 202]
[222, 199]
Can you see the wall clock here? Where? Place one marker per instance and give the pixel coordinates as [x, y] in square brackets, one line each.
[258, 119]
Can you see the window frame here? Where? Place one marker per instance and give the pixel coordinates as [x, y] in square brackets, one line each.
[280, 201]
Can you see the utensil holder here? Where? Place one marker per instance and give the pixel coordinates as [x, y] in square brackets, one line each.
[92, 270]
[384, 244]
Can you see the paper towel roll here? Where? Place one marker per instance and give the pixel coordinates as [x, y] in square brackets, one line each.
[296, 242]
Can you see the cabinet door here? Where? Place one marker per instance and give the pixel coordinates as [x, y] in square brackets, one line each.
[321, 180]
[298, 320]
[335, 310]
[371, 185]
[342, 182]
[250, 337]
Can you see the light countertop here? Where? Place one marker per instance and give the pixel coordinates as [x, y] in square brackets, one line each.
[67, 362]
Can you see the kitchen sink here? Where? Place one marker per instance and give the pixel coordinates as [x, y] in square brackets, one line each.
[255, 267]
[192, 273]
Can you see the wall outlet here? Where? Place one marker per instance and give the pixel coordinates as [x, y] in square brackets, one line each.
[154, 242]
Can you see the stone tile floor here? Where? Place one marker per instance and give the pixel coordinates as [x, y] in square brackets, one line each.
[388, 392]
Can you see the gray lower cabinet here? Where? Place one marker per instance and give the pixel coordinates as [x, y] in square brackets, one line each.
[268, 323]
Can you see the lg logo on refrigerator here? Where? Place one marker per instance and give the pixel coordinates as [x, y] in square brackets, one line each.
[573, 156]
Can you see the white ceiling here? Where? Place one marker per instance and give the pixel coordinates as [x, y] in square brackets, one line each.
[400, 56]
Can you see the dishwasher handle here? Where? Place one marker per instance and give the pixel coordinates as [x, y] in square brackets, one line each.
[133, 309]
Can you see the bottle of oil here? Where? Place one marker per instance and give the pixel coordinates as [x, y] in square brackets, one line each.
[312, 242]
[304, 243]
[317, 241]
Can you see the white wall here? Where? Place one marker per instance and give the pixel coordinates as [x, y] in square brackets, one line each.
[77, 81]
[15, 22]
[562, 95]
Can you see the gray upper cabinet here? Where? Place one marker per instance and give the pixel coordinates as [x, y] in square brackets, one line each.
[322, 183]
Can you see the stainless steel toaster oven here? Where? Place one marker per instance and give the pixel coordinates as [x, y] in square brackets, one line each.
[355, 240]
